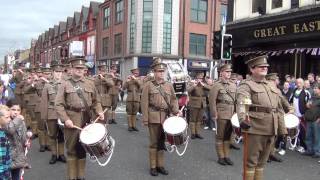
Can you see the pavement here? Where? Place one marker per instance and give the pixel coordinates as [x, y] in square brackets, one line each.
[130, 161]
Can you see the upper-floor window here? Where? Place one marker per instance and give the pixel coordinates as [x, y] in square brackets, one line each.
[117, 44]
[258, 6]
[197, 44]
[199, 11]
[106, 18]
[276, 4]
[119, 11]
[105, 46]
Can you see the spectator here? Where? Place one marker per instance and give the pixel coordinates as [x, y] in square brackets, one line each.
[311, 80]
[17, 134]
[290, 81]
[5, 156]
[307, 86]
[312, 117]
[286, 91]
[318, 79]
[209, 124]
[299, 98]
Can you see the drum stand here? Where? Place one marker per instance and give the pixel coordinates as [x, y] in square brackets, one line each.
[109, 154]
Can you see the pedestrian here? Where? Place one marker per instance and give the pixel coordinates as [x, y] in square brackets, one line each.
[312, 117]
[307, 86]
[257, 101]
[222, 100]
[286, 90]
[299, 98]
[76, 97]
[312, 80]
[158, 100]
[17, 134]
[5, 152]
[133, 86]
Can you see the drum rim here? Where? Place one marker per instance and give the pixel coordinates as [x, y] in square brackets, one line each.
[186, 125]
[107, 133]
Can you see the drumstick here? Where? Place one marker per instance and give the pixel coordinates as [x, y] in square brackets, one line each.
[76, 127]
[182, 108]
[105, 110]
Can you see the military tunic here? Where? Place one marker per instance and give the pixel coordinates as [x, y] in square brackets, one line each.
[103, 87]
[133, 98]
[222, 105]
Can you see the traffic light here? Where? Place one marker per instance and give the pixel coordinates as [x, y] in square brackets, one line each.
[226, 47]
[216, 49]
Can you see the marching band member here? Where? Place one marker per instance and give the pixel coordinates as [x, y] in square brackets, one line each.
[114, 92]
[197, 103]
[133, 86]
[76, 97]
[222, 100]
[103, 84]
[49, 115]
[158, 100]
[258, 121]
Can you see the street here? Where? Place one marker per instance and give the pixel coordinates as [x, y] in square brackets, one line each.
[130, 161]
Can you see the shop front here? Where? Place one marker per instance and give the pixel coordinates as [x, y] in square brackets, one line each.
[291, 40]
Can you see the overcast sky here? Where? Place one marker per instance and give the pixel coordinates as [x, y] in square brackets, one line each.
[22, 20]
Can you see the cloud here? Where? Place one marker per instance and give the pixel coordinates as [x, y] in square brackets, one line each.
[23, 20]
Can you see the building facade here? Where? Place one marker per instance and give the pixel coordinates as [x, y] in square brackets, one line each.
[288, 31]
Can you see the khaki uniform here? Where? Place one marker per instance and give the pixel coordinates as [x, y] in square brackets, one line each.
[50, 117]
[30, 97]
[114, 96]
[103, 87]
[133, 88]
[154, 111]
[264, 119]
[43, 135]
[69, 105]
[222, 105]
[197, 104]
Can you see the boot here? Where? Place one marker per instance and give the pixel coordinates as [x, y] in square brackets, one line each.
[81, 168]
[249, 174]
[47, 141]
[274, 158]
[62, 158]
[41, 142]
[220, 152]
[129, 123]
[153, 161]
[160, 163]
[53, 159]
[226, 150]
[72, 168]
[222, 162]
[198, 128]
[134, 120]
[258, 175]
[114, 117]
[193, 130]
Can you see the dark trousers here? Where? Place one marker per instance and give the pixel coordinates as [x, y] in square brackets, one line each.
[15, 173]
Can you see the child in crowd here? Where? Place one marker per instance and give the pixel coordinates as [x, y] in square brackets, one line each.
[5, 156]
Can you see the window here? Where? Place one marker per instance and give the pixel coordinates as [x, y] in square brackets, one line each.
[106, 18]
[167, 26]
[197, 44]
[223, 14]
[258, 6]
[117, 44]
[119, 11]
[276, 4]
[199, 10]
[105, 46]
[132, 26]
[147, 26]
[84, 26]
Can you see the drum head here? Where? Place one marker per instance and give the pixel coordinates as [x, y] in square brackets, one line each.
[92, 133]
[291, 121]
[235, 120]
[174, 125]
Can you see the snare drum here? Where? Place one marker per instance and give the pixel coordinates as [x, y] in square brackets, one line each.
[96, 140]
[291, 121]
[175, 129]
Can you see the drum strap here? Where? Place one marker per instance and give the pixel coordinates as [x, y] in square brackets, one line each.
[81, 96]
[162, 94]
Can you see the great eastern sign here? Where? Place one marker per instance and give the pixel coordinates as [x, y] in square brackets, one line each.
[281, 30]
[295, 29]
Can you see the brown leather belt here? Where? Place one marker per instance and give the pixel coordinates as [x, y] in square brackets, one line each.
[225, 102]
[262, 109]
[154, 108]
[76, 109]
